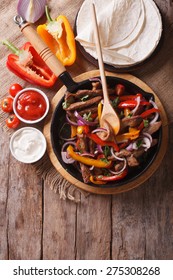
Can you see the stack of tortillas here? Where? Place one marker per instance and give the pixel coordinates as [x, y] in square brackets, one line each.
[130, 30]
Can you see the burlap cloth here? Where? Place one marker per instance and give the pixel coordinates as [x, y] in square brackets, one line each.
[157, 72]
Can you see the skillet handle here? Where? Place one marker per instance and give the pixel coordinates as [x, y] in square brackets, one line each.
[43, 50]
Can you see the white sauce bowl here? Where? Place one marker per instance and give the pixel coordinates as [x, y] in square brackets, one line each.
[28, 145]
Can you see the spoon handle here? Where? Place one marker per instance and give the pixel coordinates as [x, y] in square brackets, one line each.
[99, 54]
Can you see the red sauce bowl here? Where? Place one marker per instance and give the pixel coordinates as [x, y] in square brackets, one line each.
[31, 105]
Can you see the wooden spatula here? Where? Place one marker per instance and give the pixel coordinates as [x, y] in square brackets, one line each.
[109, 117]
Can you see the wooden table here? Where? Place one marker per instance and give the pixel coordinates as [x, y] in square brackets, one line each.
[36, 224]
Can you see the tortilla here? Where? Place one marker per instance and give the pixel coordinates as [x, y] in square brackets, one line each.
[110, 17]
[126, 39]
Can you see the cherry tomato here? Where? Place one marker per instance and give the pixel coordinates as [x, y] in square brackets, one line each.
[7, 104]
[14, 89]
[12, 121]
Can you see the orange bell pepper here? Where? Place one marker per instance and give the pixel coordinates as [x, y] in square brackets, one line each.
[131, 135]
[59, 37]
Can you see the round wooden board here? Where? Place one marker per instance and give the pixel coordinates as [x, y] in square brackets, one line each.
[106, 190]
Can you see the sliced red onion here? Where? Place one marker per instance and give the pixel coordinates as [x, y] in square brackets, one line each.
[71, 122]
[31, 10]
[79, 122]
[121, 170]
[87, 155]
[91, 168]
[67, 144]
[114, 155]
[67, 159]
[135, 146]
[61, 132]
[99, 148]
[156, 114]
[129, 147]
[85, 122]
[138, 99]
[146, 143]
[95, 79]
[100, 129]
[148, 135]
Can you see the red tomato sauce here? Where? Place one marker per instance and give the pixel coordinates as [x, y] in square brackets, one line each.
[31, 105]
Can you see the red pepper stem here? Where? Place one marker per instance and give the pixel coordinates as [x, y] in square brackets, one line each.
[14, 50]
[48, 14]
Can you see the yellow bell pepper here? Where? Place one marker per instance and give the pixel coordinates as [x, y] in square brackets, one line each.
[86, 160]
[99, 109]
[131, 135]
[59, 37]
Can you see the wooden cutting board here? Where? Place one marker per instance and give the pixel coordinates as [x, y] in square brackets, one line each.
[106, 190]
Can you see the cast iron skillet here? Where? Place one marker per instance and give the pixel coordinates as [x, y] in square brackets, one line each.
[59, 118]
[59, 114]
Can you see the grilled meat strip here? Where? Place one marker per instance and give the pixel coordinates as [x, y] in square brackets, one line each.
[84, 104]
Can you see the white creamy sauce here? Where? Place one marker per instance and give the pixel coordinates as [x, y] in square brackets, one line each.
[28, 145]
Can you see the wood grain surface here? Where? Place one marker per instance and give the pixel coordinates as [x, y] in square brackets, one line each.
[36, 224]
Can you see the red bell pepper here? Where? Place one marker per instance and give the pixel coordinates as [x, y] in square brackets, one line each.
[28, 65]
[111, 177]
[130, 97]
[145, 114]
[131, 104]
[100, 142]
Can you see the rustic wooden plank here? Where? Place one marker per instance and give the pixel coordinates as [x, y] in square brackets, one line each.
[128, 236]
[93, 238]
[24, 210]
[158, 211]
[4, 166]
[142, 219]
[59, 229]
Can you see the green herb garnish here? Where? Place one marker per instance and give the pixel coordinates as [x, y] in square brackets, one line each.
[87, 117]
[115, 102]
[106, 151]
[65, 104]
[146, 123]
[139, 143]
[104, 160]
[84, 98]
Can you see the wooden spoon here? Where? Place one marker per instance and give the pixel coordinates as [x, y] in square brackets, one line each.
[109, 117]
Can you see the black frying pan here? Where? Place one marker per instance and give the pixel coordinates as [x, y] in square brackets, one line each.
[59, 116]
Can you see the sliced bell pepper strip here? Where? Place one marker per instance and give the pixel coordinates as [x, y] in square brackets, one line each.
[73, 131]
[97, 182]
[112, 177]
[131, 135]
[100, 142]
[145, 114]
[131, 104]
[86, 160]
[28, 65]
[82, 129]
[99, 109]
[130, 97]
[119, 89]
[59, 37]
